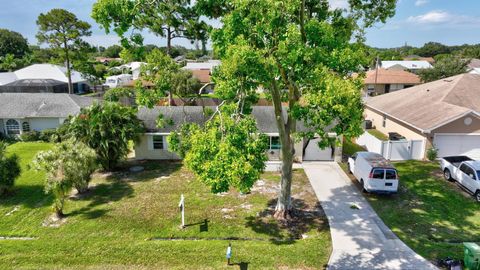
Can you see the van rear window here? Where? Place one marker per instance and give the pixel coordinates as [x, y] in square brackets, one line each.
[378, 174]
[390, 174]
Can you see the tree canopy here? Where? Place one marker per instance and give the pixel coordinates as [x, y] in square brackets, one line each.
[301, 53]
[12, 43]
[107, 128]
[63, 31]
[170, 19]
[445, 67]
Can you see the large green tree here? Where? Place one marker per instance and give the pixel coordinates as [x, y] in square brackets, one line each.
[63, 31]
[9, 169]
[107, 128]
[445, 67]
[168, 79]
[12, 43]
[170, 19]
[302, 53]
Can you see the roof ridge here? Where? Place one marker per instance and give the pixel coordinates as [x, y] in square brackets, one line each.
[459, 78]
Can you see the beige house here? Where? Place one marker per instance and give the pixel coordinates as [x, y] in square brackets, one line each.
[444, 113]
[153, 144]
[381, 81]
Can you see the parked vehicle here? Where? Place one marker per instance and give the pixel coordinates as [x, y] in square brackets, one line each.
[374, 172]
[465, 171]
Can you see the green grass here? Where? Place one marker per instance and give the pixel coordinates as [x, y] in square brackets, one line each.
[112, 226]
[377, 134]
[431, 215]
[350, 148]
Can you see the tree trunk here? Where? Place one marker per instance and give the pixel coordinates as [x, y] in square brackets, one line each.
[283, 210]
[169, 40]
[69, 74]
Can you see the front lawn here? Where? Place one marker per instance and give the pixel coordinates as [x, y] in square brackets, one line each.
[429, 214]
[131, 220]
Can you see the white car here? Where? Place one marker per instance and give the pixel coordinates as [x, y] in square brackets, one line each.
[465, 171]
[374, 172]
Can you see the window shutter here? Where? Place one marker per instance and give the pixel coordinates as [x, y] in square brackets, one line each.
[150, 142]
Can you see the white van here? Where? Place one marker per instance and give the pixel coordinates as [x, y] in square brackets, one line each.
[374, 172]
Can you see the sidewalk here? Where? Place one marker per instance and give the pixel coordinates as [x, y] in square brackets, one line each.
[360, 239]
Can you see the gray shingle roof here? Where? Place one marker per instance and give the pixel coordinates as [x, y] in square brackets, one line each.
[21, 105]
[264, 115]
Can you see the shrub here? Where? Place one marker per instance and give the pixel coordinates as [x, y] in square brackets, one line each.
[30, 136]
[432, 154]
[9, 169]
[49, 135]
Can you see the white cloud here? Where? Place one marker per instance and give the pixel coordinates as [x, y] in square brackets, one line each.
[440, 17]
[334, 4]
[421, 2]
[435, 16]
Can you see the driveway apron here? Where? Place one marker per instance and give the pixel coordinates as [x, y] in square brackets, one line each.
[360, 238]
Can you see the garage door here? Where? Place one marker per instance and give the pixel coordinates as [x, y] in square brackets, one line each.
[455, 144]
[313, 152]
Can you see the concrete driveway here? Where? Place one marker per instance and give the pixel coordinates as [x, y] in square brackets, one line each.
[360, 239]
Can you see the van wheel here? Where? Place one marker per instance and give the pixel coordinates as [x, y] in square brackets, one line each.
[364, 190]
[447, 175]
[477, 196]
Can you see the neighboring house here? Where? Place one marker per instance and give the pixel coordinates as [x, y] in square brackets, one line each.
[23, 112]
[203, 72]
[134, 68]
[474, 66]
[419, 58]
[412, 66]
[118, 80]
[42, 78]
[153, 144]
[444, 113]
[106, 60]
[381, 81]
[475, 71]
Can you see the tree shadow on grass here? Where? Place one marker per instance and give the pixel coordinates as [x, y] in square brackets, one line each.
[305, 218]
[152, 170]
[102, 194]
[30, 196]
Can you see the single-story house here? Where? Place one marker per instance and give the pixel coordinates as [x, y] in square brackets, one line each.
[203, 72]
[154, 146]
[118, 80]
[381, 81]
[42, 78]
[444, 113]
[412, 66]
[23, 112]
[133, 67]
[419, 58]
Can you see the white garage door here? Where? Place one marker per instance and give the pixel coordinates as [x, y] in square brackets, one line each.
[456, 144]
[313, 152]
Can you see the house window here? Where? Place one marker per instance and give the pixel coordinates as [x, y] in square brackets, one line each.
[13, 127]
[384, 122]
[25, 127]
[275, 143]
[158, 142]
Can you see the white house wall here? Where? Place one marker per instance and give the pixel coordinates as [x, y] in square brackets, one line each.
[40, 124]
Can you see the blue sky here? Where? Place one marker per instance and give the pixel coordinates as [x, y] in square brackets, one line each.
[451, 22]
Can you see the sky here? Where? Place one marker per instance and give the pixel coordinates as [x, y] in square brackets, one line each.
[452, 22]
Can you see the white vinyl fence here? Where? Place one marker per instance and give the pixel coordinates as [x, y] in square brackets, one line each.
[393, 150]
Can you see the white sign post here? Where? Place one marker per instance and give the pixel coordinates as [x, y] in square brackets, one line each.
[181, 205]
